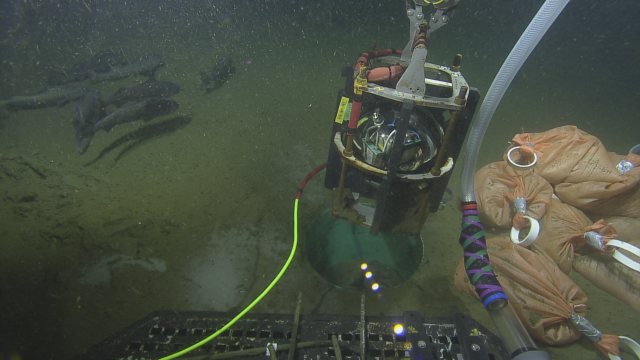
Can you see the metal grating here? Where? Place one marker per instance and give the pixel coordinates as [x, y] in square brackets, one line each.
[165, 332]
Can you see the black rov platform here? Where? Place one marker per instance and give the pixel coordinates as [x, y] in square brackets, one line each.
[163, 333]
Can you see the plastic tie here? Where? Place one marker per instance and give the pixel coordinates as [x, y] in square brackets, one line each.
[480, 271]
[488, 289]
[473, 206]
[478, 257]
[474, 240]
[472, 222]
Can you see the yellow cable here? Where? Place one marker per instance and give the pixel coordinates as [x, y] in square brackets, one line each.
[257, 300]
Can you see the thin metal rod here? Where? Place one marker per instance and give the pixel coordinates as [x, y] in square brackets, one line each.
[256, 351]
[336, 347]
[363, 331]
[296, 325]
[272, 351]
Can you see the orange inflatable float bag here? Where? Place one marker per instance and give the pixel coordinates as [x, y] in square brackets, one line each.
[558, 151]
[598, 197]
[610, 275]
[606, 198]
[563, 234]
[542, 296]
[497, 185]
[627, 163]
[578, 165]
[627, 228]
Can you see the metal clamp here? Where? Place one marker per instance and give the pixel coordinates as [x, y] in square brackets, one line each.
[624, 166]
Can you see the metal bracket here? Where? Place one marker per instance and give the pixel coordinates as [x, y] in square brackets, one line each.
[416, 17]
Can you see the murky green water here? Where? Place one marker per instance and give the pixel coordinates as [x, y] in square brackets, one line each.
[224, 182]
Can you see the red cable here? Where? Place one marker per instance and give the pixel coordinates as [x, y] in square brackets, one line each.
[307, 178]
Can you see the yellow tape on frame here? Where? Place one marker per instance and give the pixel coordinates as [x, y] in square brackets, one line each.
[344, 110]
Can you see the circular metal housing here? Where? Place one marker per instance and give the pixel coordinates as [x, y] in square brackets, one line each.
[376, 134]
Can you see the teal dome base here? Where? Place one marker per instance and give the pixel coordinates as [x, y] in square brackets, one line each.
[337, 248]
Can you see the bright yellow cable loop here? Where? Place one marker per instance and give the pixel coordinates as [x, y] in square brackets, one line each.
[257, 300]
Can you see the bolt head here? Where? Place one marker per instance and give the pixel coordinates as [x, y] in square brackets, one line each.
[475, 347]
[423, 344]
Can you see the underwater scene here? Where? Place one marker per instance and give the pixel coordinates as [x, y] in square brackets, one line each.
[152, 155]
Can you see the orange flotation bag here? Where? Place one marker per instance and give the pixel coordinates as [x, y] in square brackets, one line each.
[542, 296]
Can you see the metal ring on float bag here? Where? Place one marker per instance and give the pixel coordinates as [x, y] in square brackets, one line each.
[531, 236]
[517, 166]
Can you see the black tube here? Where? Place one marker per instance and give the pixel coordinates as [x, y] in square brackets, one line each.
[402, 125]
[476, 257]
